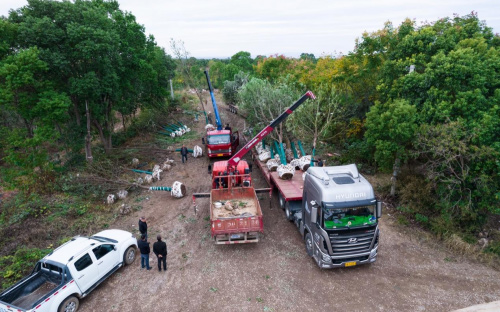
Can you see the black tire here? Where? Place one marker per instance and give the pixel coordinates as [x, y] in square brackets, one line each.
[288, 212]
[309, 244]
[129, 255]
[281, 200]
[70, 304]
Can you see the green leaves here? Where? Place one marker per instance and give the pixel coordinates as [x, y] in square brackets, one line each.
[390, 129]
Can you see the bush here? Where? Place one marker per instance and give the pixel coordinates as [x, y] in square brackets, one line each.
[13, 268]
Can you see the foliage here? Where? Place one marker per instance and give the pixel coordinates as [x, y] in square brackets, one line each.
[319, 119]
[390, 129]
[231, 87]
[273, 67]
[265, 102]
[16, 266]
[58, 58]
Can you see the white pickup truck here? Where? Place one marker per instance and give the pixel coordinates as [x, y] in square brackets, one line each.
[70, 273]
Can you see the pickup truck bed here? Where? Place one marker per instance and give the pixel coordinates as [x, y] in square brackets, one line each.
[33, 289]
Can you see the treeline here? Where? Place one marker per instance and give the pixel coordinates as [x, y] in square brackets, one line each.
[66, 69]
[420, 102]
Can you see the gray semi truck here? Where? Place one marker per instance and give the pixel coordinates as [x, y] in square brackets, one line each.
[335, 210]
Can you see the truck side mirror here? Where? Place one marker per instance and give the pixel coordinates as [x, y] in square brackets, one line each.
[209, 169]
[203, 140]
[379, 209]
[314, 211]
[250, 167]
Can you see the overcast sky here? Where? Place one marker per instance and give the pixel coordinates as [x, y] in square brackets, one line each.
[221, 28]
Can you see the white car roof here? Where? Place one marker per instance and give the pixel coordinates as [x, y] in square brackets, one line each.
[79, 244]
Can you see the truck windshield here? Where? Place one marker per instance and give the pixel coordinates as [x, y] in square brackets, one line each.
[219, 139]
[336, 218]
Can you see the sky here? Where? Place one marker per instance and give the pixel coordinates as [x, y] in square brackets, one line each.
[221, 28]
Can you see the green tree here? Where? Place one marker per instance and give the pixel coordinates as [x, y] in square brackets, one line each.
[243, 61]
[390, 129]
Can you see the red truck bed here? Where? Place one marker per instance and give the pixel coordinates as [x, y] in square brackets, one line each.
[228, 228]
[290, 189]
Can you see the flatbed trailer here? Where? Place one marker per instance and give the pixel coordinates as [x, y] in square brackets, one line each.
[290, 191]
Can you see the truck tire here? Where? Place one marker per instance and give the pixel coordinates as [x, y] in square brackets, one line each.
[129, 255]
[282, 200]
[70, 304]
[288, 212]
[309, 244]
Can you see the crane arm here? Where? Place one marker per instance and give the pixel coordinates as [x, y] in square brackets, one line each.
[233, 161]
[216, 111]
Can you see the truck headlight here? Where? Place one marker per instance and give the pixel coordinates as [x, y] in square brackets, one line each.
[326, 258]
[209, 151]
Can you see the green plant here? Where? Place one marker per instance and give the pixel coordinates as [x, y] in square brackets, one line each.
[14, 267]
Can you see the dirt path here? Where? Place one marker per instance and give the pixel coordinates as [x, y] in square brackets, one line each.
[276, 274]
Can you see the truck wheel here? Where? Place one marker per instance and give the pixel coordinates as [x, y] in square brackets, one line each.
[282, 201]
[288, 213]
[129, 255]
[309, 244]
[69, 305]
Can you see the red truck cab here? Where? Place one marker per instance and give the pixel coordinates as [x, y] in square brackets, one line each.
[220, 143]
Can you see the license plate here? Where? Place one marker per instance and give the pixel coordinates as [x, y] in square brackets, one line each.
[347, 264]
[220, 154]
[235, 236]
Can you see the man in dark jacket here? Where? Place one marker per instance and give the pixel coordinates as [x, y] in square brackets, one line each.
[184, 153]
[145, 250]
[143, 227]
[160, 250]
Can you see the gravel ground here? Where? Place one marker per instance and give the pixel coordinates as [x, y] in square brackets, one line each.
[276, 274]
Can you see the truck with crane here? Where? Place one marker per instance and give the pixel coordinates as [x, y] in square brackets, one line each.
[235, 212]
[219, 142]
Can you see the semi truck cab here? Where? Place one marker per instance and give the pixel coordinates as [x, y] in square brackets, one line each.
[339, 217]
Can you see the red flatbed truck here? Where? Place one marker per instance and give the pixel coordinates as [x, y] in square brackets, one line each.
[231, 182]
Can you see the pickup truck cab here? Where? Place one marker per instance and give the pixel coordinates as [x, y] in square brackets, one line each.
[70, 273]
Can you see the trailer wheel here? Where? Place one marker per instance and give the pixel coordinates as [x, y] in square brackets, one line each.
[70, 304]
[129, 255]
[282, 201]
[288, 213]
[309, 244]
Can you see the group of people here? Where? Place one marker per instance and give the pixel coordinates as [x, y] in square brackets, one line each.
[159, 247]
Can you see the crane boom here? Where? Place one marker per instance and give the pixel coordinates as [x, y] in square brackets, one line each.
[233, 161]
[214, 104]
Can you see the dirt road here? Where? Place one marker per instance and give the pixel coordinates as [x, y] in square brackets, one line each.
[276, 274]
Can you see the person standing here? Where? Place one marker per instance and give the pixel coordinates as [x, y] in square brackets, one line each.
[227, 127]
[145, 250]
[160, 250]
[184, 153]
[143, 227]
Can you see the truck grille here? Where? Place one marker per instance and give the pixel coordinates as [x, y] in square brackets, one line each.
[219, 151]
[350, 242]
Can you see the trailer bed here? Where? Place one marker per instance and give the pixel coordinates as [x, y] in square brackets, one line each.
[290, 189]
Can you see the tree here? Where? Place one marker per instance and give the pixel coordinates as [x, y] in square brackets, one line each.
[243, 61]
[312, 120]
[273, 67]
[191, 73]
[265, 102]
[95, 54]
[231, 88]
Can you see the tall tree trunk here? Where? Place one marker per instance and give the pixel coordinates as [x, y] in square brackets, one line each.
[394, 176]
[76, 112]
[103, 138]
[88, 147]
